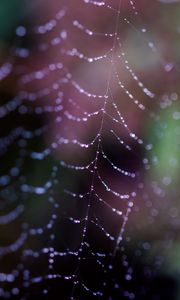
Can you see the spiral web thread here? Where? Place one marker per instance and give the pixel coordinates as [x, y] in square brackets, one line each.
[81, 124]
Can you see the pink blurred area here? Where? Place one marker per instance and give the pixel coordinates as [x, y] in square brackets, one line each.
[57, 64]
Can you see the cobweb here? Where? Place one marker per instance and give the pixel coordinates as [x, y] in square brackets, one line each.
[76, 157]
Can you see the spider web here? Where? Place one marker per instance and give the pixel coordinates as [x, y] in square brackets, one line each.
[76, 159]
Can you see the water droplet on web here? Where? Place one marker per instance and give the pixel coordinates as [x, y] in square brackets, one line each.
[21, 31]
[168, 67]
[176, 115]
